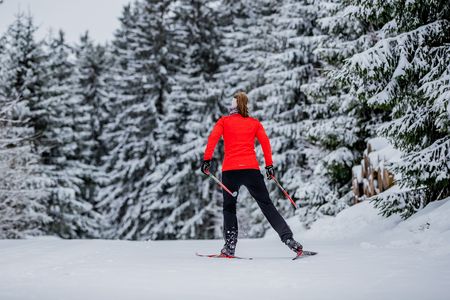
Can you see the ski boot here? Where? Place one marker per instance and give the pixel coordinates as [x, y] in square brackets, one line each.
[230, 243]
[294, 246]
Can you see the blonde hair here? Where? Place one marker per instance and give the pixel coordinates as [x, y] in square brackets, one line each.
[242, 101]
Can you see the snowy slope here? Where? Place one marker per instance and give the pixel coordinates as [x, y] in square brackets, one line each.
[362, 256]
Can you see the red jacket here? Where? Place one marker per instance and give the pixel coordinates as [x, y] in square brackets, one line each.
[239, 138]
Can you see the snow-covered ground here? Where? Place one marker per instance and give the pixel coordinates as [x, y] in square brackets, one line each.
[362, 256]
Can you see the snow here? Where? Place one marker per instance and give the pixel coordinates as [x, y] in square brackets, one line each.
[357, 172]
[361, 256]
[428, 230]
[378, 143]
[382, 151]
[389, 154]
[358, 221]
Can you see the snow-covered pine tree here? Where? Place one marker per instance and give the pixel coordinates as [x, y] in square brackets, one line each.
[124, 84]
[59, 159]
[2, 44]
[23, 193]
[185, 201]
[406, 73]
[240, 46]
[84, 113]
[144, 41]
[23, 207]
[89, 95]
[336, 122]
[288, 63]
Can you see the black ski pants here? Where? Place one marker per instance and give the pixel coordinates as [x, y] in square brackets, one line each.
[253, 180]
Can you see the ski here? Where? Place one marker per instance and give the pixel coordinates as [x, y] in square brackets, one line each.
[305, 254]
[222, 256]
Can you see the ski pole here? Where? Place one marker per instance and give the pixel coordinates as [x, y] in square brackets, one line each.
[284, 192]
[234, 194]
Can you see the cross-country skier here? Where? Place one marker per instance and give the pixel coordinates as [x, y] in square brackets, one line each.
[240, 167]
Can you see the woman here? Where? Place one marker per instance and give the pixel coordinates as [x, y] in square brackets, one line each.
[240, 167]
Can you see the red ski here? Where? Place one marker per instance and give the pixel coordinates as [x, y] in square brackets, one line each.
[222, 256]
[304, 254]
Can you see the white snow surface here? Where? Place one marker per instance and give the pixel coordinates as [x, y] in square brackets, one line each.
[361, 256]
[378, 143]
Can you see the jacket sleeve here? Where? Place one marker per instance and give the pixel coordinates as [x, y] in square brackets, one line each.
[265, 144]
[213, 138]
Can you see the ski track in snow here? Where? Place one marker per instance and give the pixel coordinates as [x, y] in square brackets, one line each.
[387, 264]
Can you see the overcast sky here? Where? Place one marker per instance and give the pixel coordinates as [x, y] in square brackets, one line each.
[100, 17]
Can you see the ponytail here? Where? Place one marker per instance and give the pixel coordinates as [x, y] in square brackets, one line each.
[242, 100]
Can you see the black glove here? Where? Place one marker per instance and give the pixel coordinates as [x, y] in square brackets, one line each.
[270, 172]
[205, 166]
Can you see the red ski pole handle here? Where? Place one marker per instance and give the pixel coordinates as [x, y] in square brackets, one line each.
[284, 192]
[234, 194]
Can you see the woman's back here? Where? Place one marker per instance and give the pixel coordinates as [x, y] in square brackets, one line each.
[239, 139]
